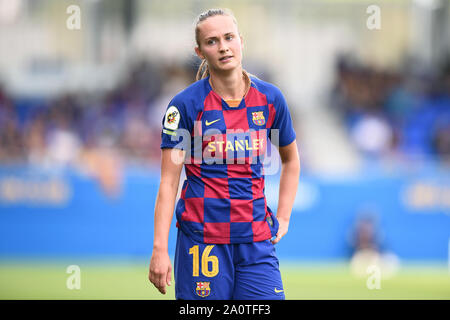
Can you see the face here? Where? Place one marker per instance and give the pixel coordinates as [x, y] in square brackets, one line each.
[220, 43]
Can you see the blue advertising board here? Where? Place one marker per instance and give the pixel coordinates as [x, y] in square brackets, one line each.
[65, 213]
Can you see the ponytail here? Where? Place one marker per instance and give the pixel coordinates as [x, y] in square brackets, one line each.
[202, 73]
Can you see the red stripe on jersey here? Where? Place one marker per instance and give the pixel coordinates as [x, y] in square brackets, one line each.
[272, 112]
[213, 101]
[239, 171]
[236, 119]
[183, 191]
[194, 210]
[254, 98]
[216, 188]
[261, 231]
[193, 170]
[258, 188]
[216, 232]
[197, 132]
[241, 210]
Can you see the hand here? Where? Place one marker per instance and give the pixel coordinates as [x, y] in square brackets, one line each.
[160, 272]
[283, 226]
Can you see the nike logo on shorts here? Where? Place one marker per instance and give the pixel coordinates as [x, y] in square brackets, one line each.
[278, 291]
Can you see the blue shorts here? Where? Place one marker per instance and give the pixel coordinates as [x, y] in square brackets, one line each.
[246, 271]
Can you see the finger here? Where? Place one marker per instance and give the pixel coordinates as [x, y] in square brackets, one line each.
[151, 277]
[162, 289]
[277, 239]
[169, 277]
[155, 279]
[162, 283]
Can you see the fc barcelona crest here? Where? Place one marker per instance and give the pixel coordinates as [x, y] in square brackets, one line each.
[203, 290]
[258, 118]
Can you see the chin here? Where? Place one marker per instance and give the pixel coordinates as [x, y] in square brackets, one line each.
[228, 67]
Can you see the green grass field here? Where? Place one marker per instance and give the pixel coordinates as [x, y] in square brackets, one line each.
[128, 280]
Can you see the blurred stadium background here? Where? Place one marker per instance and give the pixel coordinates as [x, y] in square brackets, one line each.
[80, 117]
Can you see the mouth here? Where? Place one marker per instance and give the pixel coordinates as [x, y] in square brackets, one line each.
[225, 58]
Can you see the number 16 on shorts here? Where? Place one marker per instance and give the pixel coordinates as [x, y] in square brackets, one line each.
[207, 261]
[203, 287]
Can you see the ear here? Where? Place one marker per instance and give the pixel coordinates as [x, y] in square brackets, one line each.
[199, 53]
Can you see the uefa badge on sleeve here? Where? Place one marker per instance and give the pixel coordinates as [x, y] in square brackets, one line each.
[203, 290]
[172, 118]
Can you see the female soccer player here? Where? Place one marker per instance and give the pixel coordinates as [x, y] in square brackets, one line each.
[219, 128]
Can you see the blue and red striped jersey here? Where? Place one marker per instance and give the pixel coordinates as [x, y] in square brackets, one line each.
[222, 199]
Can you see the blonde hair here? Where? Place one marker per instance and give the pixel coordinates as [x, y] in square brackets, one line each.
[203, 70]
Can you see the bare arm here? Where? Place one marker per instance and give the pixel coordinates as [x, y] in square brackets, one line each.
[290, 174]
[160, 267]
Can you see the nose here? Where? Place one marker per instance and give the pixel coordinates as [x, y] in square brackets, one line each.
[223, 46]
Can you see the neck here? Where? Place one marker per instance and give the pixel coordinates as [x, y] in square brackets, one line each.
[232, 85]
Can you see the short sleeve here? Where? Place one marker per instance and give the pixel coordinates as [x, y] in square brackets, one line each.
[175, 126]
[282, 122]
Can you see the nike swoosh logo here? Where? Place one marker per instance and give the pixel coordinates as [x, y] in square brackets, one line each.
[208, 123]
[278, 291]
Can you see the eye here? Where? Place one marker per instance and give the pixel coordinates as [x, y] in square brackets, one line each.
[210, 42]
[229, 37]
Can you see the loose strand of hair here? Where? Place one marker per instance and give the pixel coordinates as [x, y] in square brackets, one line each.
[200, 72]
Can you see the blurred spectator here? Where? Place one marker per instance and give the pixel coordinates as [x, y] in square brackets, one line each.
[365, 234]
[63, 143]
[92, 129]
[390, 112]
[34, 140]
[11, 142]
[368, 250]
[372, 134]
[441, 141]
[385, 112]
[103, 163]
